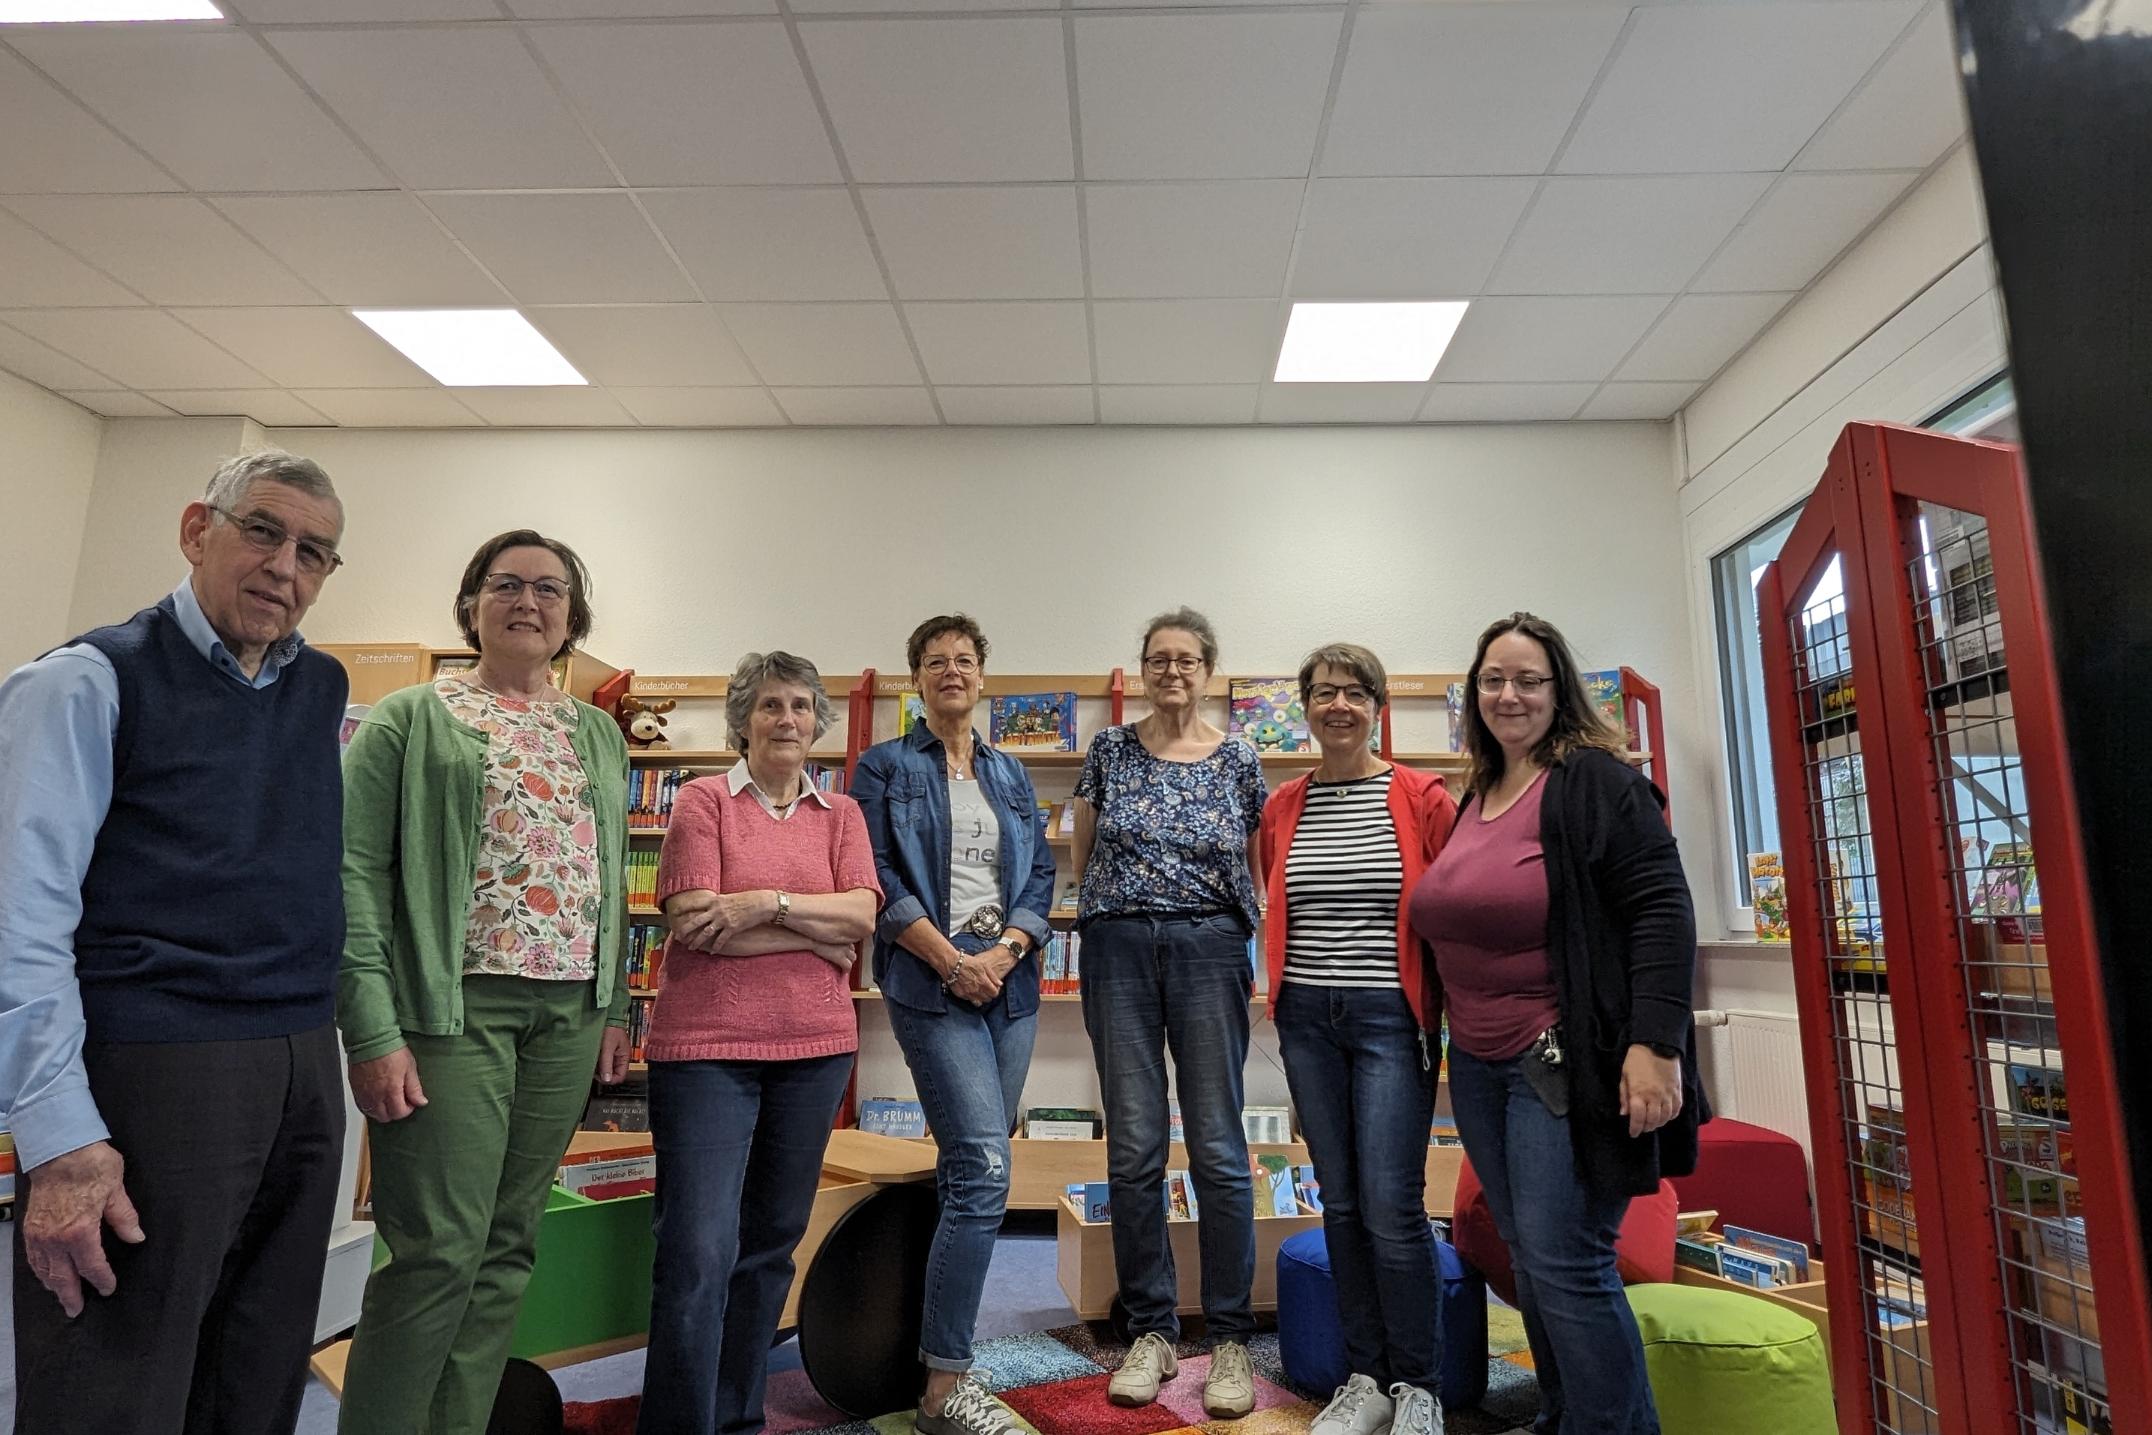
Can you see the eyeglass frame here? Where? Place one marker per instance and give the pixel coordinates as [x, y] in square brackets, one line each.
[1518, 681]
[1321, 695]
[486, 587]
[1160, 666]
[964, 663]
[244, 521]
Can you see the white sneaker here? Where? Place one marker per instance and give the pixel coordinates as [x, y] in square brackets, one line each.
[1149, 1362]
[970, 1410]
[1359, 1408]
[1418, 1412]
[1229, 1389]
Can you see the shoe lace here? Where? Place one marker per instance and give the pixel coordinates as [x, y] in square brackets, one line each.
[1416, 1411]
[1347, 1402]
[971, 1403]
[1231, 1360]
[1151, 1348]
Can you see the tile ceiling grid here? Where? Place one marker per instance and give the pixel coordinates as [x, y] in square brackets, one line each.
[1608, 391]
[1903, 37]
[1552, 166]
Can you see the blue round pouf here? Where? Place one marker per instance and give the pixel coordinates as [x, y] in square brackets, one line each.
[1311, 1340]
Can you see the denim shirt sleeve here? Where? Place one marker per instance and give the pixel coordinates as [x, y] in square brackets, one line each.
[901, 906]
[1031, 890]
[59, 714]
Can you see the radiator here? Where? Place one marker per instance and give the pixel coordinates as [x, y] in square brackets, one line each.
[1750, 1062]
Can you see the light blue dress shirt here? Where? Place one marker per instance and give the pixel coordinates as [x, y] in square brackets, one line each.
[60, 714]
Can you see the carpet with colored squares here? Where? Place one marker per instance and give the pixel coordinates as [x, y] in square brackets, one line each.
[1054, 1383]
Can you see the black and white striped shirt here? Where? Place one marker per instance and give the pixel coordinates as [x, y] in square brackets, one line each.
[1343, 878]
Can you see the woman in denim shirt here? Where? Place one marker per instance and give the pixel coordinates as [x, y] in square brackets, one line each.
[961, 852]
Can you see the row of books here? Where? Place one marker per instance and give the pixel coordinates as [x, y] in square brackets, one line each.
[642, 877]
[1281, 1189]
[2002, 886]
[646, 954]
[638, 1028]
[7, 1175]
[1061, 964]
[606, 1174]
[650, 795]
[1752, 1258]
[904, 1116]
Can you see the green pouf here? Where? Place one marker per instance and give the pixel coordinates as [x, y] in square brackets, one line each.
[1721, 1361]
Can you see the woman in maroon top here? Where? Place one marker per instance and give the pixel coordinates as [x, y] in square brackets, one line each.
[1565, 944]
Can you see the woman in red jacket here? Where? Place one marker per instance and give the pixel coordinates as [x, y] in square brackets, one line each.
[1341, 851]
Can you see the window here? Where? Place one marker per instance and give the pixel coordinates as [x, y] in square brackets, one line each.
[1988, 412]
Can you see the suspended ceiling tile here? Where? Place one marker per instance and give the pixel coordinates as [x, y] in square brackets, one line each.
[1644, 235]
[74, 153]
[1910, 111]
[1177, 403]
[769, 243]
[1221, 239]
[979, 242]
[1504, 403]
[694, 104]
[677, 407]
[545, 407]
[811, 345]
[1000, 404]
[117, 403]
[938, 101]
[1800, 227]
[1698, 334]
[1546, 340]
[447, 108]
[645, 345]
[170, 249]
[272, 407]
[140, 348]
[565, 248]
[1405, 238]
[1341, 403]
[1638, 401]
[43, 365]
[34, 271]
[390, 408]
[373, 250]
[1002, 343]
[318, 348]
[1229, 96]
[823, 407]
[1186, 341]
[1464, 89]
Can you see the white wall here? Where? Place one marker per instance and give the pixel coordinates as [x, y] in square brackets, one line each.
[1062, 542]
[1904, 323]
[48, 460]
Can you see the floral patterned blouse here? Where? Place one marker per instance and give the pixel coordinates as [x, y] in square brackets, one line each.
[1171, 836]
[534, 903]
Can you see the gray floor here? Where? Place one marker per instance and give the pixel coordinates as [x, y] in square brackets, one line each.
[1022, 1294]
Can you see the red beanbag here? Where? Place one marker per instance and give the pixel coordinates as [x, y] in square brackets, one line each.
[1643, 1250]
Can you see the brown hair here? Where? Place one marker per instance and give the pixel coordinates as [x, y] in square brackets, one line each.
[1187, 620]
[915, 647]
[580, 617]
[1365, 667]
[1577, 724]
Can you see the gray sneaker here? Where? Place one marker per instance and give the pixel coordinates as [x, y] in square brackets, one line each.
[1359, 1408]
[1418, 1412]
[1149, 1362]
[969, 1410]
[1229, 1389]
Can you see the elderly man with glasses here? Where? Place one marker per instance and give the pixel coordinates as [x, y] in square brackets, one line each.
[170, 928]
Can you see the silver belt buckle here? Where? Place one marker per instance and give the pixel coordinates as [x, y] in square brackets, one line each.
[986, 922]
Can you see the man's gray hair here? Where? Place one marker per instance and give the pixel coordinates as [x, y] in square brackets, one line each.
[228, 486]
[757, 669]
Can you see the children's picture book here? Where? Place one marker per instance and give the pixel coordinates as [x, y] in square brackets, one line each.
[1767, 895]
[1794, 1253]
[1174, 1131]
[911, 711]
[1266, 714]
[1090, 1198]
[1603, 688]
[1181, 1202]
[1442, 1131]
[1748, 1268]
[1456, 695]
[1274, 1184]
[2011, 887]
[1033, 722]
[2039, 1091]
[1698, 1255]
[1267, 1125]
[1310, 1190]
[614, 1112]
[1695, 1223]
[1061, 1123]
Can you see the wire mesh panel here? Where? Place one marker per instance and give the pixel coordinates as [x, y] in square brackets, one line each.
[2019, 1076]
[1887, 1288]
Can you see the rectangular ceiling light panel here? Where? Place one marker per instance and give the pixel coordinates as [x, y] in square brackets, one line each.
[61, 12]
[1367, 343]
[471, 348]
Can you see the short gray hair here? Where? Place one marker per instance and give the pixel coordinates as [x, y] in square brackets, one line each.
[757, 669]
[1188, 620]
[229, 485]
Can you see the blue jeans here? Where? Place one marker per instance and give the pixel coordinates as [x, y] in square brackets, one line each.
[1152, 983]
[969, 1065]
[1363, 1085]
[739, 1147]
[1585, 1346]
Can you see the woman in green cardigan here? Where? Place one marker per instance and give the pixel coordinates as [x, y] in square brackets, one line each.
[484, 818]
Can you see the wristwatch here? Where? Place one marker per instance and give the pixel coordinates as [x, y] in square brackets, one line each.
[784, 910]
[1016, 948]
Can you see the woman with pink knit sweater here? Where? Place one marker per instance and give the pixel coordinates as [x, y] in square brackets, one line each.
[768, 886]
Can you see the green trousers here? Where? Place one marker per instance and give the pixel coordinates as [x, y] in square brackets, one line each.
[459, 1187]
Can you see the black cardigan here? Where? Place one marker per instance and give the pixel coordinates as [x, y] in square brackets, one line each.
[1621, 934]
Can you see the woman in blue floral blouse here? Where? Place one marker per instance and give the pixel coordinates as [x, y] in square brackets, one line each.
[1166, 815]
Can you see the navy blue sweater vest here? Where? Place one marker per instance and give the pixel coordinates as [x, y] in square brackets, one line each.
[213, 909]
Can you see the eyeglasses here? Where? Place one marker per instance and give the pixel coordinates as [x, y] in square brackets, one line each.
[316, 560]
[1526, 684]
[1323, 695]
[507, 587]
[964, 663]
[1183, 666]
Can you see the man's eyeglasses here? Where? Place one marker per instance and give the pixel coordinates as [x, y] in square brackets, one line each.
[1526, 684]
[1322, 695]
[316, 560]
[964, 663]
[1161, 666]
[507, 587]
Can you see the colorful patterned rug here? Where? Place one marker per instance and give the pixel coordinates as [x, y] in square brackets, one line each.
[1054, 1382]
